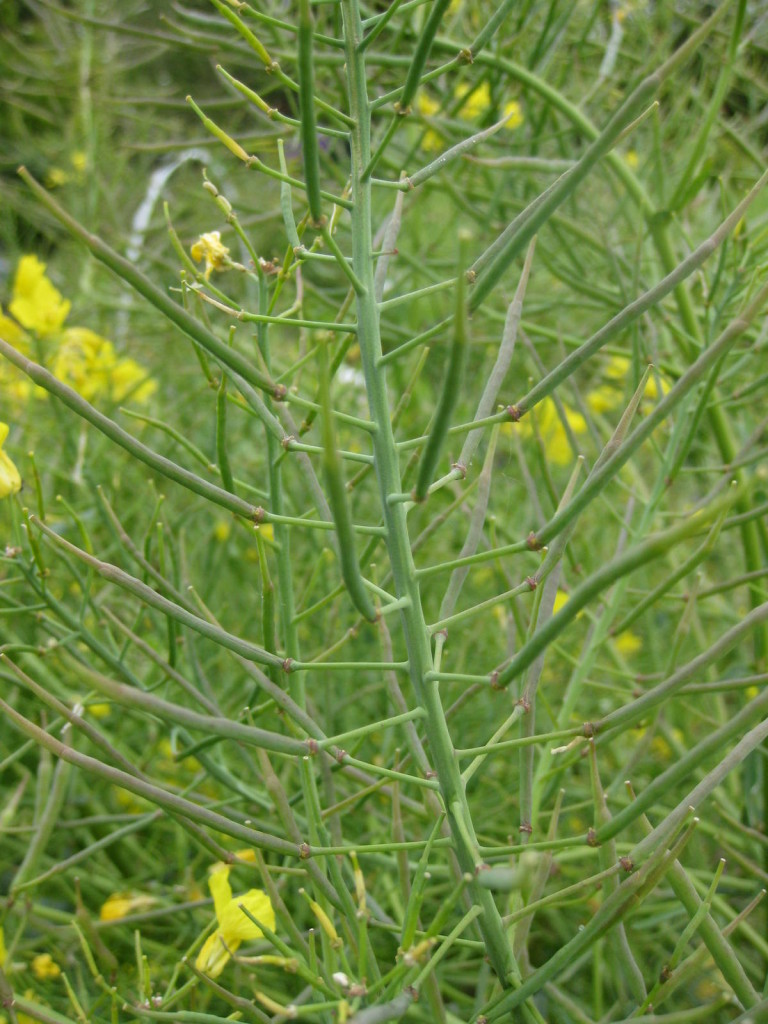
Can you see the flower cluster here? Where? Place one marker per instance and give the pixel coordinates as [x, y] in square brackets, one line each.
[234, 925]
[58, 176]
[209, 247]
[474, 103]
[606, 397]
[76, 355]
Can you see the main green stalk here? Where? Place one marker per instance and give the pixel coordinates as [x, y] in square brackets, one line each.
[398, 542]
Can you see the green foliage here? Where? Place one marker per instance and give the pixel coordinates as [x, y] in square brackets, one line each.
[391, 546]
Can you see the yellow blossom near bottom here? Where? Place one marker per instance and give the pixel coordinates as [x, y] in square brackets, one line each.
[234, 926]
[10, 481]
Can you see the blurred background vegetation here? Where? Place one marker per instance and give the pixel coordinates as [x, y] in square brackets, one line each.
[93, 102]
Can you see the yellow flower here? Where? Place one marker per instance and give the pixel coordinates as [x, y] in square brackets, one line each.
[561, 598]
[15, 385]
[45, 967]
[84, 360]
[3, 950]
[234, 926]
[79, 161]
[121, 904]
[610, 395]
[661, 749]
[603, 398]
[56, 177]
[12, 333]
[89, 364]
[632, 159]
[221, 530]
[514, 115]
[628, 643]
[10, 481]
[428, 107]
[210, 248]
[552, 431]
[479, 100]
[36, 303]
[129, 379]
[99, 710]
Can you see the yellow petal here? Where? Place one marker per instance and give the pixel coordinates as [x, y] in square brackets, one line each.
[477, 102]
[603, 399]
[248, 855]
[560, 599]
[235, 926]
[220, 888]
[210, 247]
[13, 334]
[221, 530]
[129, 379]
[214, 955]
[121, 904]
[85, 361]
[618, 367]
[45, 967]
[514, 115]
[10, 481]
[426, 105]
[99, 710]
[628, 643]
[36, 303]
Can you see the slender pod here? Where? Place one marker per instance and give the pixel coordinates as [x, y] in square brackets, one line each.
[221, 436]
[495, 260]
[692, 376]
[150, 597]
[450, 389]
[655, 546]
[421, 55]
[307, 106]
[156, 795]
[337, 499]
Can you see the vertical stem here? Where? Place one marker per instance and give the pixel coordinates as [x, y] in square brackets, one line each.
[398, 542]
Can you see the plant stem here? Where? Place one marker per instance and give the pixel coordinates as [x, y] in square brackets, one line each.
[398, 542]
